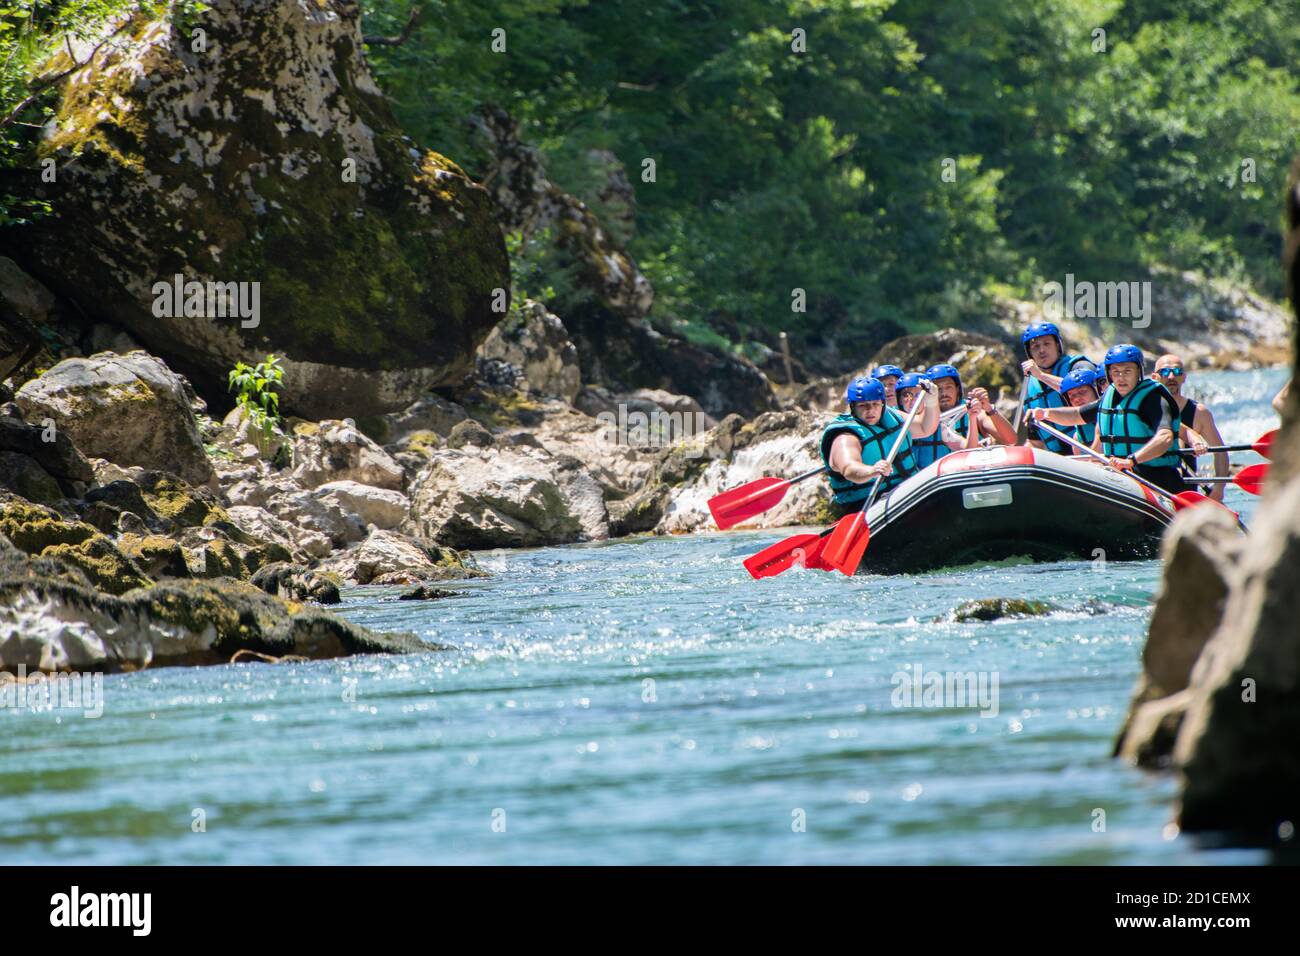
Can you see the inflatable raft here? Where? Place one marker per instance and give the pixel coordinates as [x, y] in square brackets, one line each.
[989, 504]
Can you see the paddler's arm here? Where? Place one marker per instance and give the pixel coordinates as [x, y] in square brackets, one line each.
[925, 423]
[992, 422]
[1156, 447]
[1192, 439]
[1204, 422]
[1062, 416]
[1279, 400]
[1047, 378]
[846, 458]
[972, 429]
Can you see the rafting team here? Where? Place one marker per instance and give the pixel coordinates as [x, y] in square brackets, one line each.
[1139, 423]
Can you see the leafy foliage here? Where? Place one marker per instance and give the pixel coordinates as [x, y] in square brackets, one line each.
[822, 170]
[254, 388]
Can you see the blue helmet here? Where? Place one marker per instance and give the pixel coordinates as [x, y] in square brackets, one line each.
[883, 370]
[1079, 378]
[1037, 331]
[943, 370]
[909, 380]
[864, 389]
[1119, 354]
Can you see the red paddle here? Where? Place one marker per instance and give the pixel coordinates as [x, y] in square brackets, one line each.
[802, 549]
[752, 498]
[1250, 479]
[1260, 446]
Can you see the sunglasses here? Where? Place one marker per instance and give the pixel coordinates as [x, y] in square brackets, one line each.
[1173, 370]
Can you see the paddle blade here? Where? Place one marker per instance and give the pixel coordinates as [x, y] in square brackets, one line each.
[846, 545]
[781, 556]
[1251, 478]
[1190, 499]
[1265, 444]
[812, 557]
[732, 507]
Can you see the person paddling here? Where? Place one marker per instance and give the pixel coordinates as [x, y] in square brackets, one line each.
[1046, 363]
[1198, 430]
[888, 376]
[854, 445]
[1137, 420]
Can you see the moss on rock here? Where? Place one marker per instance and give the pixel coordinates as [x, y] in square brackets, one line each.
[221, 559]
[104, 565]
[178, 502]
[992, 609]
[33, 528]
[155, 555]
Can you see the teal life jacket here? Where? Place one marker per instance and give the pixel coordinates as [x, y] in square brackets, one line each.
[1123, 432]
[876, 440]
[1038, 395]
[1084, 433]
[927, 450]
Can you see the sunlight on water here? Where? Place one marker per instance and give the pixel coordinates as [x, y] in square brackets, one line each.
[641, 701]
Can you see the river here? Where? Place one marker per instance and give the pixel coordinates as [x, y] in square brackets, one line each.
[640, 701]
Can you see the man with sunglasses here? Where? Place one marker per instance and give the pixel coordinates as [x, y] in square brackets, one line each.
[1198, 428]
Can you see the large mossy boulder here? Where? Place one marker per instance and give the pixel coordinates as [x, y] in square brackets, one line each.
[270, 156]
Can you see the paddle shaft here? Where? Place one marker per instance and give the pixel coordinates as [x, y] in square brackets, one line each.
[768, 490]
[1100, 457]
[1020, 407]
[1214, 449]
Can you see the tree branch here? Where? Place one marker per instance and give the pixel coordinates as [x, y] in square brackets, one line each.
[41, 86]
[401, 37]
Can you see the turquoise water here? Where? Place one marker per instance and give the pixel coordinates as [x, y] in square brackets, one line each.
[641, 701]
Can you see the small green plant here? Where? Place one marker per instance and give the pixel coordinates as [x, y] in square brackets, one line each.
[254, 387]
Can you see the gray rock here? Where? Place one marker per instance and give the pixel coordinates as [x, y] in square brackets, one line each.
[1200, 555]
[306, 511]
[495, 498]
[51, 625]
[387, 557]
[535, 341]
[381, 507]
[338, 451]
[49, 447]
[129, 409]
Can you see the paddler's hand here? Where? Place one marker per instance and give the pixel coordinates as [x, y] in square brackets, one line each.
[1030, 367]
[980, 396]
[1123, 464]
[929, 386]
[882, 469]
[1200, 445]
[1038, 414]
